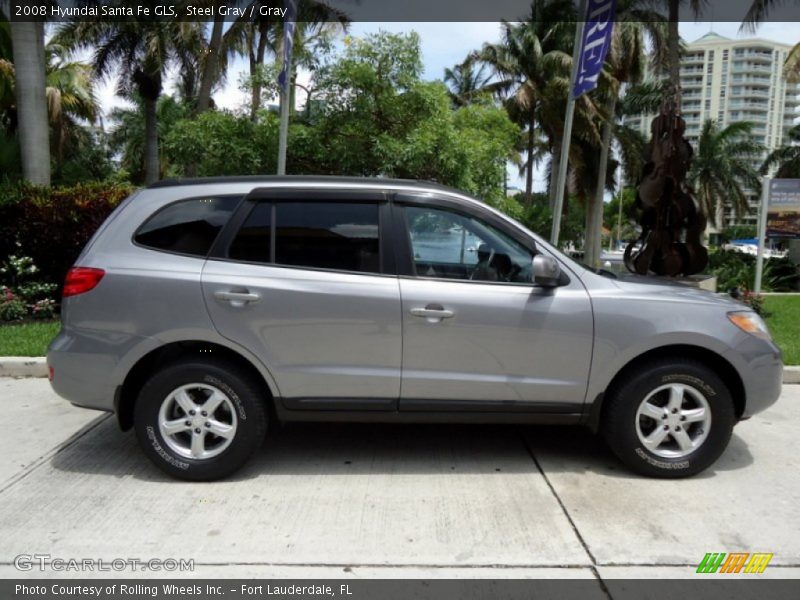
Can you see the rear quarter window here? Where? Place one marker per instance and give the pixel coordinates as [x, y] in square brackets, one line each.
[187, 226]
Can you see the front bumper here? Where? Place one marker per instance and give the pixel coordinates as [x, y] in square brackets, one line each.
[760, 366]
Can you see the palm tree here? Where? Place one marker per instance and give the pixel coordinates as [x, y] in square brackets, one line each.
[27, 40]
[525, 62]
[625, 64]
[467, 80]
[126, 137]
[674, 40]
[254, 38]
[785, 159]
[70, 94]
[723, 167]
[141, 51]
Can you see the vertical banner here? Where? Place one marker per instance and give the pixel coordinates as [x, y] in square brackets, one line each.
[595, 42]
[289, 21]
[783, 212]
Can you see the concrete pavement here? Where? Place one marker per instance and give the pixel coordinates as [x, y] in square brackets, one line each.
[393, 501]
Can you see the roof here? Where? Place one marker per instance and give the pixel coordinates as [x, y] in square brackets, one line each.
[712, 37]
[294, 179]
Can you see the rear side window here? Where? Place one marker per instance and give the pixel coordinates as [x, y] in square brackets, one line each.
[332, 235]
[323, 235]
[188, 226]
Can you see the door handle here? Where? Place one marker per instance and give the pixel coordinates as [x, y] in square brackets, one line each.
[237, 298]
[433, 313]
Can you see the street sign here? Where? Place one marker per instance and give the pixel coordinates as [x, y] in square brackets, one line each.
[783, 212]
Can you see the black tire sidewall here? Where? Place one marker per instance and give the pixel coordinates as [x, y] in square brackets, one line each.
[620, 425]
[250, 414]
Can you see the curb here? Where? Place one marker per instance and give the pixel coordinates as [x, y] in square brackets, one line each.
[36, 366]
[23, 366]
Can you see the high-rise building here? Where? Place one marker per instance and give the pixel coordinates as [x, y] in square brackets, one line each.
[736, 80]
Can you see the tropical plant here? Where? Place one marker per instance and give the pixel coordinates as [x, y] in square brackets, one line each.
[70, 95]
[126, 137]
[786, 159]
[722, 168]
[142, 51]
[255, 37]
[531, 58]
[467, 80]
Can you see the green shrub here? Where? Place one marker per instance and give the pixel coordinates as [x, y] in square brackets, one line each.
[738, 270]
[52, 225]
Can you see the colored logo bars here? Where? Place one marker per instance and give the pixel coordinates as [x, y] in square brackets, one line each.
[735, 562]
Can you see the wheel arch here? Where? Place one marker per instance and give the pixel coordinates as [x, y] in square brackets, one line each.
[127, 393]
[711, 359]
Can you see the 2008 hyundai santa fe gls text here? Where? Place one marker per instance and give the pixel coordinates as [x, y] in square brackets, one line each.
[203, 308]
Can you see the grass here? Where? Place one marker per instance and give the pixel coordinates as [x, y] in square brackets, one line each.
[783, 320]
[27, 339]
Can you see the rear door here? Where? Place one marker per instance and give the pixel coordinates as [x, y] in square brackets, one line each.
[477, 333]
[305, 280]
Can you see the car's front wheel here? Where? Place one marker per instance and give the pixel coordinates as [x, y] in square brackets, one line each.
[671, 418]
[200, 420]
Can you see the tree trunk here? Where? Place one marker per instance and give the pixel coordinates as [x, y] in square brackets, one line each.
[27, 41]
[594, 209]
[529, 166]
[152, 165]
[211, 66]
[256, 63]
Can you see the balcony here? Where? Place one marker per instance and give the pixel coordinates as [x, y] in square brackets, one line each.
[754, 55]
[749, 93]
[759, 106]
[751, 80]
[695, 82]
[750, 68]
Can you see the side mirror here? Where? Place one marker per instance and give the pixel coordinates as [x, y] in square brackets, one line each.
[546, 271]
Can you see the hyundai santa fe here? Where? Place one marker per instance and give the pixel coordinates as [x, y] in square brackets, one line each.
[201, 309]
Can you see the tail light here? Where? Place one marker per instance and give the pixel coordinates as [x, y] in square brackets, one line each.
[81, 280]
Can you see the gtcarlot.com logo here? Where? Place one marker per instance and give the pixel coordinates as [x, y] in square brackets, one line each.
[47, 562]
[735, 562]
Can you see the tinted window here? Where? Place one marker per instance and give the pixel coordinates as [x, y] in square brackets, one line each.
[252, 243]
[453, 246]
[328, 236]
[187, 227]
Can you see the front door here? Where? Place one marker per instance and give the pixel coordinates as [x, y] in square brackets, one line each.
[477, 333]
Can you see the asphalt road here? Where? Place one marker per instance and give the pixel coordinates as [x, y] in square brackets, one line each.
[392, 501]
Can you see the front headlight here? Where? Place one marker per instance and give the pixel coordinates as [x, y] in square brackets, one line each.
[751, 323]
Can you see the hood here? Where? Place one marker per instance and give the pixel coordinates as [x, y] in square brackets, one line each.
[663, 289]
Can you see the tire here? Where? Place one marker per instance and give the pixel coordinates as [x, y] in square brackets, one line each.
[642, 409]
[201, 446]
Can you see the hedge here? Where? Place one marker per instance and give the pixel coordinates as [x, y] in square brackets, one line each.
[52, 225]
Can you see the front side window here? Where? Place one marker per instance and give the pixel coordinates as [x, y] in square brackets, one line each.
[449, 245]
[188, 226]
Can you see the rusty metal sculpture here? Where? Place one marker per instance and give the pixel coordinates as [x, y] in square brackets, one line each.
[672, 227]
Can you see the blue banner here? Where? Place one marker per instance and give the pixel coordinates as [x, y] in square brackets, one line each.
[595, 42]
[289, 19]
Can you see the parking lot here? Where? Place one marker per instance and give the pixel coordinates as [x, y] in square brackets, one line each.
[392, 501]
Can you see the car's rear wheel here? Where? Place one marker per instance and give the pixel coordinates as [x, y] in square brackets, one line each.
[200, 420]
[670, 418]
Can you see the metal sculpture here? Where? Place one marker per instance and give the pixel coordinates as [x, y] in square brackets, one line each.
[672, 226]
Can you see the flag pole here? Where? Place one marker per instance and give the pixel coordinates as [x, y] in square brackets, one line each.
[558, 205]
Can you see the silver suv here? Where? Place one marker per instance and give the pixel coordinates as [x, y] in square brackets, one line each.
[202, 309]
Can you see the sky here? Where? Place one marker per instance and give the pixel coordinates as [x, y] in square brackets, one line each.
[447, 44]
